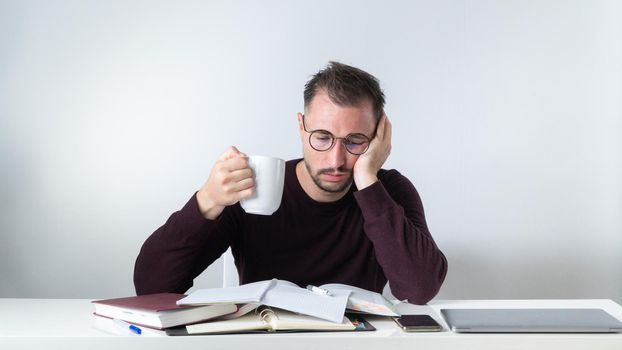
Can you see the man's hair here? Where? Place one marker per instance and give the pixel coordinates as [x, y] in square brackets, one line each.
[346, 86]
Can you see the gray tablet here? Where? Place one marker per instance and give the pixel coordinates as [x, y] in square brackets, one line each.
[531, 321]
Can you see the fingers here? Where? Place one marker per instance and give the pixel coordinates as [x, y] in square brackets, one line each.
[225, 187]
[380, 146]
[232, 159]
[388, 128]
[230, 180]
[380, 126]
[245, 189]
[231, 152]
[234, 175]
[239, 183]
[238, 190]
[383, 131]
[241, 174]
[233, 164]
[386, 135]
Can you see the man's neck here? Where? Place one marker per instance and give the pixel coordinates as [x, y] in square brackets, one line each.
[312, 190]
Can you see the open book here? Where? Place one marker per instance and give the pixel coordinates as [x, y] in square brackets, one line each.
[267, 319]
[289, 296]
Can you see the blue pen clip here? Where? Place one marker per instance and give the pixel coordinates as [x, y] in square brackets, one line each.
[127, 326]
[135, 329]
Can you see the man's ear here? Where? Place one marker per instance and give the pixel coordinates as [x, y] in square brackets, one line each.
[382, 115]
[300, 125]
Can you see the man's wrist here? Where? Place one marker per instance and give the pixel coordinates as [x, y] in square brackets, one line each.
[207, 208]
[365, 180]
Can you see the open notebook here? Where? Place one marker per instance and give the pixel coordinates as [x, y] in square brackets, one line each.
[266, 319]
[289, 296]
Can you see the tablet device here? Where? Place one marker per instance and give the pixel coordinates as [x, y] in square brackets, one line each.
[531, 321]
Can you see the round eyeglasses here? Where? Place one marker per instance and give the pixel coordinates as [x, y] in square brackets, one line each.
[323, 140]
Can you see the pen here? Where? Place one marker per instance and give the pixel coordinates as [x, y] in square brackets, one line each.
[318, 290]
[126, 326]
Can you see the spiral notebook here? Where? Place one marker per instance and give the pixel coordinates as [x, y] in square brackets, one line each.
[270, 320]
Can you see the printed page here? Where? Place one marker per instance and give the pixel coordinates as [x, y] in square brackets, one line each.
[363, 300]
[247, 293]
[289, 296]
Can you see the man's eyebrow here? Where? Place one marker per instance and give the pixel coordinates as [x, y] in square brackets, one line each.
[373, 133]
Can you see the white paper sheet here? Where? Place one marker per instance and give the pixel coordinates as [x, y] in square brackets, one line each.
[288, 296]
[247, 293]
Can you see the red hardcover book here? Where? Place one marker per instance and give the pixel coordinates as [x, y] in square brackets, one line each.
[159, 310]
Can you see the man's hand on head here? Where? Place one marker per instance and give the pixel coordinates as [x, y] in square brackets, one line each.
[230, 181]
[367, 165]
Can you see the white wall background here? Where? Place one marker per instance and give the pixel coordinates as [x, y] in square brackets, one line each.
[507, 117]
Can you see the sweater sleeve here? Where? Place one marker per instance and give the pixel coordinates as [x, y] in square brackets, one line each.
[180, 250]
[395, 223]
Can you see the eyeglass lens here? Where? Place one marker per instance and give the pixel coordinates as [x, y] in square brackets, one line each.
[322, 140]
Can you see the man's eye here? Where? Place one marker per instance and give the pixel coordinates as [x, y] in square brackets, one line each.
[357, 140]
[322, 137]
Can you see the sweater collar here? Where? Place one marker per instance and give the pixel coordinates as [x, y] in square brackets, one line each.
[296, 187]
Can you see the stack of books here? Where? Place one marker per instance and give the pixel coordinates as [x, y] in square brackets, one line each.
[153, 312]
[266, 306]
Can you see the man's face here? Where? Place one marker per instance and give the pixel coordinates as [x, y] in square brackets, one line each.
[331, 170]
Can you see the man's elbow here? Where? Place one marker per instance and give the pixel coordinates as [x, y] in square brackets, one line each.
[426, 287]
[422, 296]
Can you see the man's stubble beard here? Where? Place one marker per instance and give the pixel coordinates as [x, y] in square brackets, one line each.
[318, 183]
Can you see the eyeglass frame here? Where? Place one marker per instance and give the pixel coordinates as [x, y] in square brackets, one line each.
[335, 138]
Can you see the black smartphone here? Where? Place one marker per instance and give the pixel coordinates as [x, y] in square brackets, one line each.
[417, 323]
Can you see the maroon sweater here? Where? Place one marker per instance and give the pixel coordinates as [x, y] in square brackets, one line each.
[364, 239]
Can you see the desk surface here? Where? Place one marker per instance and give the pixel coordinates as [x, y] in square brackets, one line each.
[68, 324]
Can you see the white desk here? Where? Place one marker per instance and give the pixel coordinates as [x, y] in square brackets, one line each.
[68, 324]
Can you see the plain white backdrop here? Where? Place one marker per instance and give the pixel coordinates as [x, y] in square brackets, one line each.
[507, 117]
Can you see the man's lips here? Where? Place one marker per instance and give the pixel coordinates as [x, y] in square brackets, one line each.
[334, 177]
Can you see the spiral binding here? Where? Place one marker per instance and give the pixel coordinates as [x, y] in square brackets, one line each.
[266, 314]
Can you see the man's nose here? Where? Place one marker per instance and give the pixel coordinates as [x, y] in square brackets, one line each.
[337, 155]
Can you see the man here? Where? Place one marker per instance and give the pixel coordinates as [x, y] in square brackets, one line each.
[342, 218]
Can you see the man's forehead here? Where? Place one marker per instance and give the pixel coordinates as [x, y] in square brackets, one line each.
[324, 110]
[323, 100]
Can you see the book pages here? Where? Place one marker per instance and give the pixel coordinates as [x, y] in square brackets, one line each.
[247, 293]
[288, 296]
[366, 301]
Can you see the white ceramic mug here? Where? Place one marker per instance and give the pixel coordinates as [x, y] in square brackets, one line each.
[269, 175]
